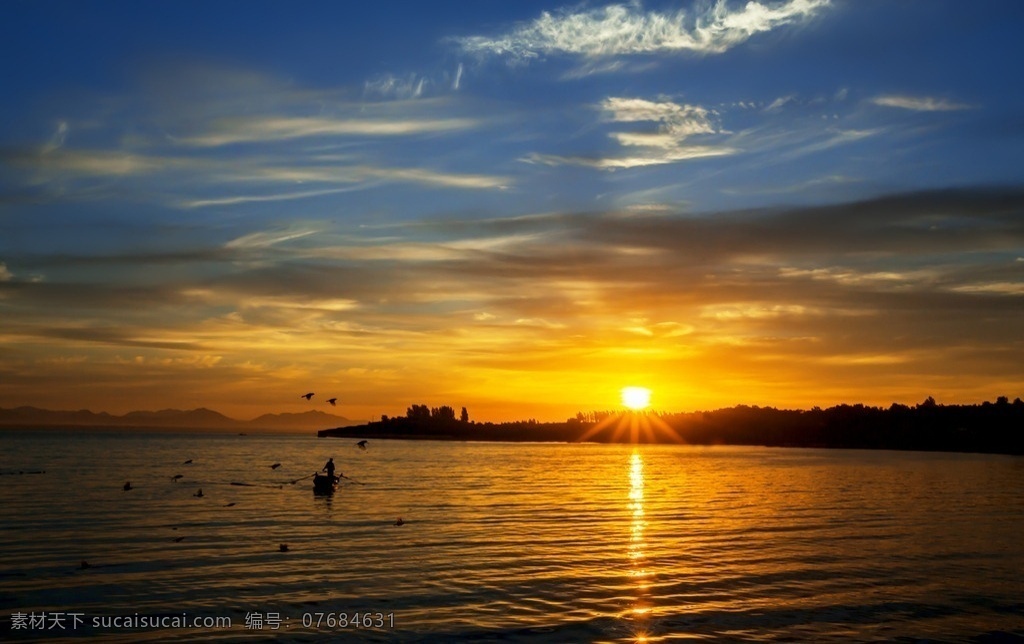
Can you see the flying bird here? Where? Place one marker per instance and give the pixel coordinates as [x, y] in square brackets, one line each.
[307, 396]
[333, 401]
[362, 444]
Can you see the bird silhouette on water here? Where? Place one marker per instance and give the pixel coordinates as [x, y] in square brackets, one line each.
[361, 444]
[275, 466]
[308, 396]
[127, 486]
[189, 461]
[333, 401]
[176, 477]
[199, 494]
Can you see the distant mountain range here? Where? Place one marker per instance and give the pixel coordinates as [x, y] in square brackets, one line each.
[201, 418]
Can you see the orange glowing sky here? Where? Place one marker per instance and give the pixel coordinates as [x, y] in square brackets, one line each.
[514, 211]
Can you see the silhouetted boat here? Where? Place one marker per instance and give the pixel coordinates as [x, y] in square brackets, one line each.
[324, 484]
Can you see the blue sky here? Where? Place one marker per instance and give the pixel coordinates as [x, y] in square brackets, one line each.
[510, 205]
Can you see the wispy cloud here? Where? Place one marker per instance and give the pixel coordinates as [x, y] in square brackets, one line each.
[362, 176]
[625, 29]
[59, 136]
[102, 163]
[829, 181]
[888, 280]
[998, 288]
[625, 162]
[597, 66]
[284, 196]
[676, 123]
[355, 173]
[365, 173]
[390, 86]
[301, 302]
[431, 178]
[192, 174]
[779, 103]
[413, 85]
[920, 103]
[835, 138]
[265, 239]
[281, 128]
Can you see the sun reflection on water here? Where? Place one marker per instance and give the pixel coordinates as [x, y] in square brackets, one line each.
[640, 611]
[636, 506]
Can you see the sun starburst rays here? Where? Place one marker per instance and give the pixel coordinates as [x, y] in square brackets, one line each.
[636, 426]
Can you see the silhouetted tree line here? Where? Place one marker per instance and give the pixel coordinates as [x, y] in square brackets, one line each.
[988, 427]
[422, 412]
[595, 416]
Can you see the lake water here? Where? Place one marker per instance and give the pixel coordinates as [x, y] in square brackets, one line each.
[503, 542]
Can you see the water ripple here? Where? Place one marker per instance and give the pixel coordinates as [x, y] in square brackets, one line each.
[547, 543]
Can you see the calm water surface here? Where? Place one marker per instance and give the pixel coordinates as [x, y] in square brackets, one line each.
[507, 542]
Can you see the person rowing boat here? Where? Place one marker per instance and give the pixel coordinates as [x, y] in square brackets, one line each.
[329, 468]
[326, 484]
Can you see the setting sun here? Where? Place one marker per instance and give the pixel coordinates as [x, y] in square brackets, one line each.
[636, 398]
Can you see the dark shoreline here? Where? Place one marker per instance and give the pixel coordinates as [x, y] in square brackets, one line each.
[989, 428]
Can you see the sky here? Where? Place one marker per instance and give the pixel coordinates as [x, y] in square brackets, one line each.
[516, 207]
